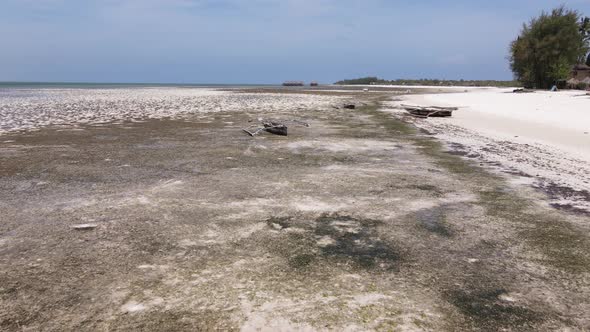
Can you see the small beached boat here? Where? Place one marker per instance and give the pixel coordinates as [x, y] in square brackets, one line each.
[428, 111]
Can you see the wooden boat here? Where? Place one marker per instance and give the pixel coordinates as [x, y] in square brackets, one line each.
[270, 127]
[275, 128]
[523, 91]
[428, 111]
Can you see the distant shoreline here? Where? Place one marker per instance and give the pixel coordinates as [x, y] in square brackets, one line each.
[9, 84]
[428, 82]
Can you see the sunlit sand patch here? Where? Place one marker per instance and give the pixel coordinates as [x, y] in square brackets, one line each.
[246, 232]
[346, 226]
[152, 267]
[143, 200]
[347, 145]
[421, 204]
[310, 204]
[169, 185]
[133, 307]
[368, 299]
[364, 171]
[237, 210]
[521, 180]
[242, 215]
[269, 317]
[507, 297]
[188, 243]
[267, 322]
[325, 241]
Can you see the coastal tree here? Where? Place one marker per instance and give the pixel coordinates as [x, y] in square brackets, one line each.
[585, 31]
[548, 46]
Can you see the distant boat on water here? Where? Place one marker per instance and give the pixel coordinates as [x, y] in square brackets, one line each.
[294, 83]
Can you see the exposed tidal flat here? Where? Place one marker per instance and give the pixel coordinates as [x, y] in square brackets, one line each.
[149, 209]
[26, 109]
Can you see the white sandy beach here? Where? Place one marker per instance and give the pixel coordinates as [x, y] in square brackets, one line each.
[544, 134]
[559, 119]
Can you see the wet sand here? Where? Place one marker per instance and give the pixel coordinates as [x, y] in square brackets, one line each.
[359, 222]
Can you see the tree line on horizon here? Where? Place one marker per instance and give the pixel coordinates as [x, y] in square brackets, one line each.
[372, 80]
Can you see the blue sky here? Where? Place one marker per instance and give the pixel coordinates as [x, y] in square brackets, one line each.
[260, 41]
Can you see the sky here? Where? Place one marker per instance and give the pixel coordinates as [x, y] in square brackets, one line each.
[260, 41]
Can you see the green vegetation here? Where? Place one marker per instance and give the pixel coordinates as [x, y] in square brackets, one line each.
[549, 46]
[585, 30]
[433, 82]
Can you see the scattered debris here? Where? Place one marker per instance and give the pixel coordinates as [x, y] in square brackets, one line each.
[428, 111]
[84, 227]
